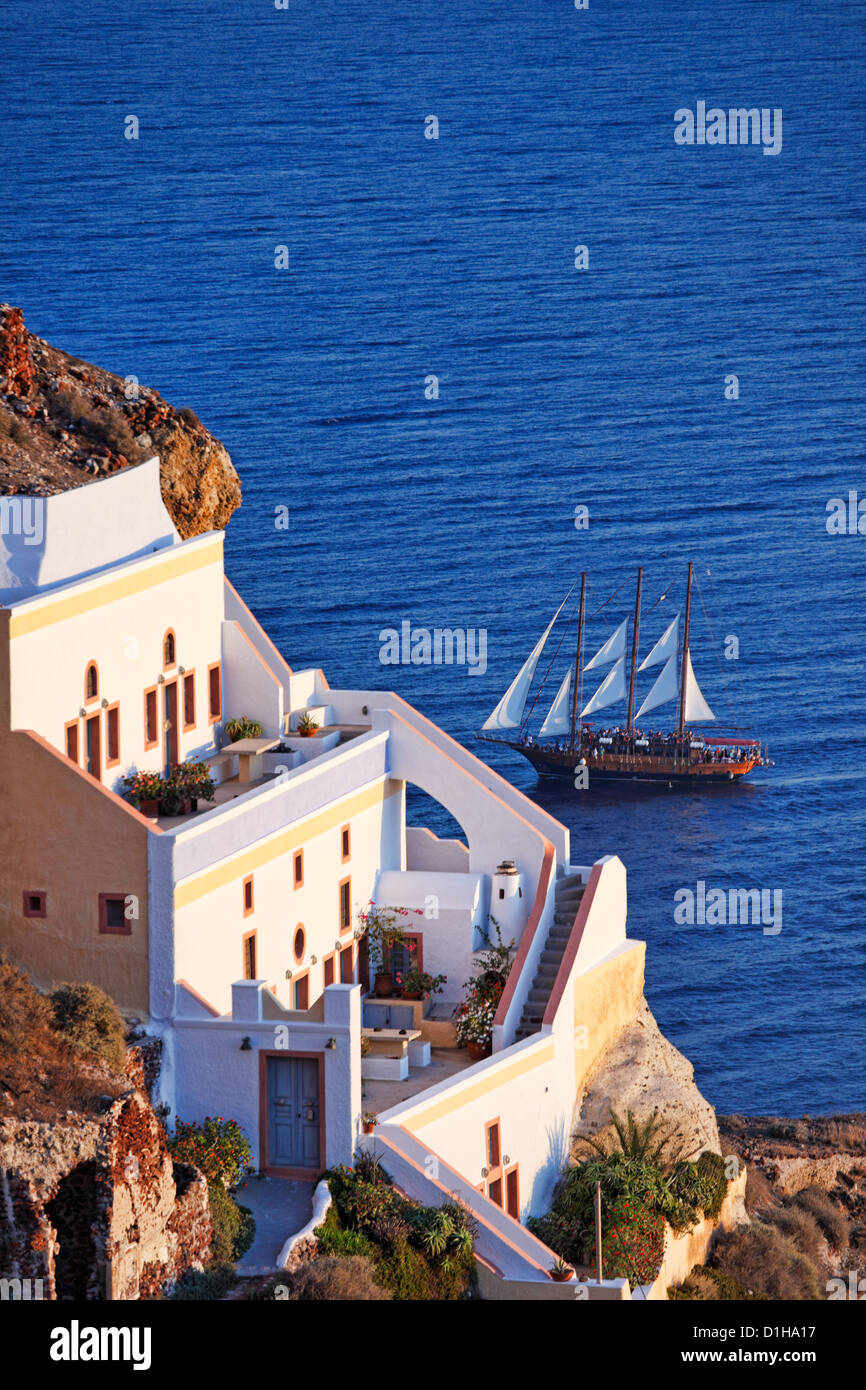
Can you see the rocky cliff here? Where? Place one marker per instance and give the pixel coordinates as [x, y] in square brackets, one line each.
[94, 1208]
[64, 422]
[642, 1072]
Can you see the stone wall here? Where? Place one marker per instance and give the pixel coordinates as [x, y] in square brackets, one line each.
[96, 1208]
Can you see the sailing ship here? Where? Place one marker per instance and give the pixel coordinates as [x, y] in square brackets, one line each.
[570, 744]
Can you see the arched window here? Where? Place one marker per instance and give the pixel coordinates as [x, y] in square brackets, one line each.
[299, 942]
[91, 682]
[168, 649]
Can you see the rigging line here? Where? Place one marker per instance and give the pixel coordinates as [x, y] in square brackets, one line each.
[526, 718]
[664, 593]
[730, 701]
[569, 625]
[608, 600]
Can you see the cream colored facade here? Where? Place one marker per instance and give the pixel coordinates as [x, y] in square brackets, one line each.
[236, 938]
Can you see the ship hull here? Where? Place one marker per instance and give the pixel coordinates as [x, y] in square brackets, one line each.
[631, 767]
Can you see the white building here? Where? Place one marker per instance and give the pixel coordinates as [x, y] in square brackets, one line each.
[232, 929]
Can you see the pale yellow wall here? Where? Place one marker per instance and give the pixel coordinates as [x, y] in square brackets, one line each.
[209, 908]
[606, 1000]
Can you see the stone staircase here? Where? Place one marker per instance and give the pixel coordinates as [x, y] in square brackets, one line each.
[569, 891]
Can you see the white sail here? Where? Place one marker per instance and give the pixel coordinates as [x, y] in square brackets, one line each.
[666, 687]
[612, 650]
[611, 690]
[509, 711]
[697, 710]
[664, 648]
[558, 719]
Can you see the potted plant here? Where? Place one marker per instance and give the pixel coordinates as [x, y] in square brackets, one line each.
[145, 790]
[417, 984]
[194, 782]
[244, 727]
[307, 725]
[561, 1272]
[475, 1016]
[384, 930]
[368, 1121]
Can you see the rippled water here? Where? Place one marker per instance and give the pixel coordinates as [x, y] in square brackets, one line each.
[411, 257]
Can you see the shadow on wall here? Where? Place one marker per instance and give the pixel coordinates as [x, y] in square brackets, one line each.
[550, 1172]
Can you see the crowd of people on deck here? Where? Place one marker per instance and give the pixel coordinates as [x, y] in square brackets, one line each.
[596, 742]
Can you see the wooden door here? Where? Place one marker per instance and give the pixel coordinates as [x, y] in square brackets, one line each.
[92, 749]
[293, 1112]
[170, 725]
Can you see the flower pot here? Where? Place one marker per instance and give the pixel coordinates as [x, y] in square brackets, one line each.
[561, 1276]
[412, 994]
[193, 803]
[307, 733]
[369, 1126]
[149, 808]
[478, 1051]
[383, 984]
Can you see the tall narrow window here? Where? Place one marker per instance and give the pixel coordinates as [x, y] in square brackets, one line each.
[189, 701]
[301, 992]
[248, 896]
[250, 956]
[151, 733]
[91, 682]
[347, 966]
[298, 869]
[215, 696]
[329, 970]
[345, 843]
[345, 904]
[169, 646]
[112, 735]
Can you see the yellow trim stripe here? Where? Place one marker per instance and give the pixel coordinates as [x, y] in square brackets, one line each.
[125, 586]
[294, 837]
[437, 1110]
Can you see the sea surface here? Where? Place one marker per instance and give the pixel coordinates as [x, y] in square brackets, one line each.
[411, 258]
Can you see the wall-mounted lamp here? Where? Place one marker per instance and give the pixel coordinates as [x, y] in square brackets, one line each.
[82, 713]
[288, 974]
[484, 1172]
[338, 945]
[181, 670]
[331, 1045]
[246, 1046]
[160, 680]
[314, 960]
[506, 1160]
[363, 709]
[104, 704]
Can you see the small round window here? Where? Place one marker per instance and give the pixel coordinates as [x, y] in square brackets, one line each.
[299, 943]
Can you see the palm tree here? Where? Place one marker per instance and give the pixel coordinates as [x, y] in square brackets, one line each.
[648, 1141]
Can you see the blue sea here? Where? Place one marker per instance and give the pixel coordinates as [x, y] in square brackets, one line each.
[411, 258]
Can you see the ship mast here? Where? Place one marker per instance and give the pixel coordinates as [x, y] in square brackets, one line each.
[682, 722]
[574, 698]
[634, 637]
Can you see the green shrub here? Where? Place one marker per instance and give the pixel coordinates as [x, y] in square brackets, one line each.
[234, 1226]
[218, 1148]
[802, 1230]
[764, 1260]
[23, 1010]
[712, 1285]
[419, 1253]
[829, 1215]
[198, 1285]
[242, 726]
[90, 1023]
[335, 1279]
